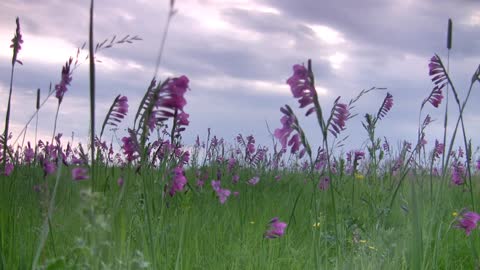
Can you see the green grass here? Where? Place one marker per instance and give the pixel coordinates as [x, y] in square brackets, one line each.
[192, 230]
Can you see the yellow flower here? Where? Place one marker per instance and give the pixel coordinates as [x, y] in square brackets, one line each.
[372, 247]
[316, 225]
[454, 214]
[363, 241]
[359, 176]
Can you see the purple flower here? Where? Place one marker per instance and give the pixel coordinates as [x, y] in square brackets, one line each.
[49, 167]
[120, 182]
[179, 181]
[129, 148]
[435, 97]
[324, 183]
[29, 154]
[121, 106]
[277, 228]
[223, 195]
[216, 185]
[339, 116]
[9, 168]
[79, 173]
[61, 88]
[172, 95]
[301, 87]
[439, 148]
[386, 146]
[119, 110]
[283, 133]
[235, 178]
[436, 70]
[478, 164]
[236, 193]
[386, 106]
[183, 119]
[458, 171]
[439, 78]
[254, 181]
[358, 155]
[468, 222]
[250, 145]
[278, 178]
[295, 143]
[231, 164]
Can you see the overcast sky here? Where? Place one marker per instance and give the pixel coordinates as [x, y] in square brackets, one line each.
[238, 55]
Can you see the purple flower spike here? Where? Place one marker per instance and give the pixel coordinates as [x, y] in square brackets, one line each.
[339, 117]
[254, 181]
[458, 172]
[183, 119]
[324, 183]
[468, 222]
[9, 168]
[121, 107]
[283, 133]
[277, 228]
[129, 148]
[235, 178]
[223, 195]
[301, 87]
[215, 185]
[294, 143]
[436, 97]
[439, 148]
[49, 167]
[386, 106]
[439, 79]
[173, 94]
[179, 181]
[79, 174]
[61, 88]
[29, 153]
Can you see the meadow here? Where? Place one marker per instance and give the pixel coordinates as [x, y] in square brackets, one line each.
[155, 203]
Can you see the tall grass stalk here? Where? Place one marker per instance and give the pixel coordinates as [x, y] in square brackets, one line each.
[445, 121]
[171, 13]
[92, 95]
[54, 123]
[46, 224]
[461, 108]
[37, 106]
[416, 252]
[17, 40]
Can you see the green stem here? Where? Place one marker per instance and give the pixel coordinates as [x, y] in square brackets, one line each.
[7, 119]
[92, 95]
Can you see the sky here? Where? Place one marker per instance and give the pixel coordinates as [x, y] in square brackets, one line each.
[238, 55]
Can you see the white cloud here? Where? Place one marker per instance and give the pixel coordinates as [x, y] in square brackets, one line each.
[328, 35]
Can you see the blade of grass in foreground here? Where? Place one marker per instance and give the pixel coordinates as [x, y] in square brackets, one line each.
[92, 96]
[46, 224]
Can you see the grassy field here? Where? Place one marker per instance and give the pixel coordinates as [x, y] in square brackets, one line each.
[112, 228]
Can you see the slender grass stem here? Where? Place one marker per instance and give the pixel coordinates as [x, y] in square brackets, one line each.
[55, 123]
[92, 95]
[7, 119]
